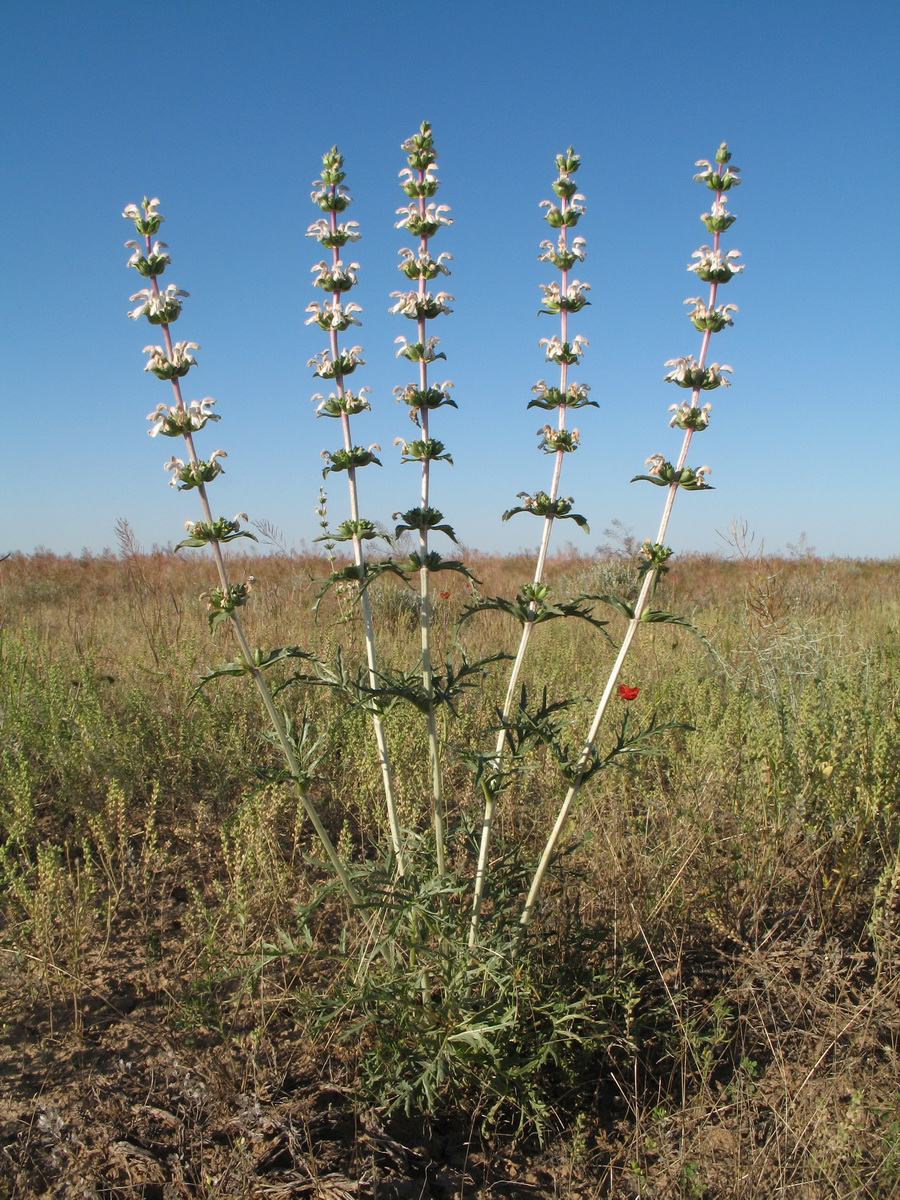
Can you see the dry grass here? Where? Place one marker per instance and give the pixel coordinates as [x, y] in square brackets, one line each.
[747, 882]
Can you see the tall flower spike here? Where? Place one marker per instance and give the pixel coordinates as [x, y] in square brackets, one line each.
[561, 298]
[714, 267]
[422, 218]
[170, 363]
[335, 363]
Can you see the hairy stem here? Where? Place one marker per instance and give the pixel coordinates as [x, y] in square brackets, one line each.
[487, 822]
[278, 725]
[645, 593]
[384, 764]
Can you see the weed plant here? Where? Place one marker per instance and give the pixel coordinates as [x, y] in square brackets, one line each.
[724, 922]
[712, 917]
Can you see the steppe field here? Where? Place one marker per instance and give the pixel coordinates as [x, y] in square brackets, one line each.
[708, 1005]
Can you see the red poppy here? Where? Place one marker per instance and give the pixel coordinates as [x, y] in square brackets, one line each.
[628, 693]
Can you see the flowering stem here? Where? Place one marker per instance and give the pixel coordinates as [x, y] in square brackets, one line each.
[650, 578]
[434, 752]
[294, 766]
[333, 198]
[424, 219]
[563, 258]
[585, 756]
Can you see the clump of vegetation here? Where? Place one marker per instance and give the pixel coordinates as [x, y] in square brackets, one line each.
[376, 908]
[723, 920]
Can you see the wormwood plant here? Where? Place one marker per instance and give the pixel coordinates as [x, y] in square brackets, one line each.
[456, 998]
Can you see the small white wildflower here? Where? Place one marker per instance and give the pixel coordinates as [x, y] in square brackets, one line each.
[655, 463]
[158, 306]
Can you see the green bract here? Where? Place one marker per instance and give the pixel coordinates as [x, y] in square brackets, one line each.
[221, 602]
[556, 218]
[423, 450]
[154, 262]
[343, 460]
[688, 416]
[222, 530]
[361, 528]
[687, 373]
[422, 265]
[190, 475]
[541, 505]
[432, 397]
[553, 440]
[345, 364]
[336, 405]
[664, 474]
[419, 351]
[423, 518]
[146, 222]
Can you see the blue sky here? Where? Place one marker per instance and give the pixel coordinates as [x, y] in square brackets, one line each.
[224, 110]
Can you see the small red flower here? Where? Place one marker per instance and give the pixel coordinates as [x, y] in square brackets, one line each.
[628, 693]
[444, 595]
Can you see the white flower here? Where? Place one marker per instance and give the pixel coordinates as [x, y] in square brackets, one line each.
[686, 372]
[159, 306]
[335, 277]
[134, 213]
[333, 315]
[423, 265]
[179, 364]
[682, 413]
[655, 463]
[407, 175]
[560, 352]
[572, 300]
[418, 351]
[347, 231]
[176, 466]
[713, 265]
[414, 304]
[157, 251]
[423, 223]
[200, 411]
[562, 255]
[173, 420]
[682, 368]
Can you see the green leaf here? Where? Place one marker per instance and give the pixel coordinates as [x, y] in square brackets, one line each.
[652, 479]
[261, 661]
[528, 610]
[616, 602]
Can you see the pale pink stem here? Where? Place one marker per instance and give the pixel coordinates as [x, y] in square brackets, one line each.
[384, 763]
[437, 778]
[262, 687]
[631, 632]
[528, 626]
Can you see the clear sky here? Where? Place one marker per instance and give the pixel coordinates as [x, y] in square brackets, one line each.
[224, 109]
